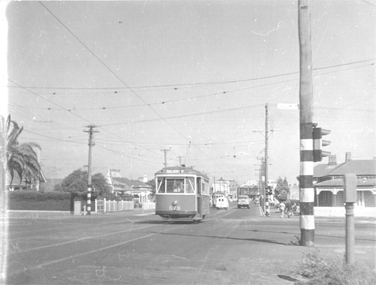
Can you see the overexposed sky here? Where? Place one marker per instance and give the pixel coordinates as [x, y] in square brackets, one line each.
[189, 76]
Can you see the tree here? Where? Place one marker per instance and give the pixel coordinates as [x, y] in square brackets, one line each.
[282, 189]
[19, 159]
[151, 183]
[77, 182]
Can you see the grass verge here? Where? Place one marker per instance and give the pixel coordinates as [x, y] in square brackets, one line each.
[317, 270]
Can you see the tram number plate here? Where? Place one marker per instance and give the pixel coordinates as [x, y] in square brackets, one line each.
[175, 208]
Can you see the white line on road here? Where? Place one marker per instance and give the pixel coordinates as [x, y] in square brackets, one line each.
[89, 252]
[80, 239]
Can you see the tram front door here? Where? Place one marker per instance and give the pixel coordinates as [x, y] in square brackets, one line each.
[199, 198]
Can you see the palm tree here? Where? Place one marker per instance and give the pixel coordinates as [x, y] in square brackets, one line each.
[20, 159]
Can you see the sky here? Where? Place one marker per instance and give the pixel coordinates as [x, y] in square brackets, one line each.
[190, 77]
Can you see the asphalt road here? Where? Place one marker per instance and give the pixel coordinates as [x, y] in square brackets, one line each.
[235, 246]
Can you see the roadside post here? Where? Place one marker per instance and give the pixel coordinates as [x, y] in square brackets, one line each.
[350, 198]
[267, 208]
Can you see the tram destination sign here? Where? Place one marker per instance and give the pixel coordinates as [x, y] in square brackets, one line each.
[174, 170]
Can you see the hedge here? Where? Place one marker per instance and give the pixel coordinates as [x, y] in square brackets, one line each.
[50, 201]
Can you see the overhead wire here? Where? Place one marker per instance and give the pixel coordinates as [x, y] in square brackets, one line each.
[116, 76]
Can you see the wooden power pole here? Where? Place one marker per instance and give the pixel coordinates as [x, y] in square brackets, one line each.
[91, 132]
[165, 156]
[306, 191]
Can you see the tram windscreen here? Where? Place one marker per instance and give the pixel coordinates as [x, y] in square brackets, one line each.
[161, 187]
[176, 185]
[190, 185]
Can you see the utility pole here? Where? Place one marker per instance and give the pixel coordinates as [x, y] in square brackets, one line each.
[266, 145]
[306, 190]
[214, 186]
[91, 131]
[165, 156]
[180, 157]
[267, 209]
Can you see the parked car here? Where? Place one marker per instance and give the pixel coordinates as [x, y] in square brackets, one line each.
[221, 203]
[243, 201]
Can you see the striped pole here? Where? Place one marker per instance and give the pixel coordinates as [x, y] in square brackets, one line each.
[306, 190]
[88, 206]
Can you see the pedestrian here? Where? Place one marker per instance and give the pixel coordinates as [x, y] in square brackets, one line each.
[288, 208]
[282, 209]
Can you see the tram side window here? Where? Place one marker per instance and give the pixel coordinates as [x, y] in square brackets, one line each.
[175, 185]
[190, 185]
[161, 185]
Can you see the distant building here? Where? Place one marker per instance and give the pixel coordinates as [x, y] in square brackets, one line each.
[121, 185]
[227, 187]
[329, 185]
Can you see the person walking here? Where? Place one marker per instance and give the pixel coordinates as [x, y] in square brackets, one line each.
[288, 208]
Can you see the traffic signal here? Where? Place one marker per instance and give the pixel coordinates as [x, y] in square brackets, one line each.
[269, 190]
[318, 143]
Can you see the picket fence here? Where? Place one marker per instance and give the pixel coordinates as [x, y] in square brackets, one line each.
[105, 206]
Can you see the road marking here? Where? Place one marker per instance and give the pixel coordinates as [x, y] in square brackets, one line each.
[81, 239]
[86, 253]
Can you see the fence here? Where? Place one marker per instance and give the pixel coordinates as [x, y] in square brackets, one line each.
[105, 206]
[148, 205]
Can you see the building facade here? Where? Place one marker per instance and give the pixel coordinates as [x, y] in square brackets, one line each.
[121, 186]
[227, 187]
[329, 184]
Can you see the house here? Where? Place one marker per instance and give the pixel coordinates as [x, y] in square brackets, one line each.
[34, 185]
[121, 185]
[227, 187]
[329, 185]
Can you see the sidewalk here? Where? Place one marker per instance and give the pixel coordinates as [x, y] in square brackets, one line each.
[275, 213]
[68, 214]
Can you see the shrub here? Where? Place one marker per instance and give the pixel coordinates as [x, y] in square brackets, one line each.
[31, 200]
[333, 271]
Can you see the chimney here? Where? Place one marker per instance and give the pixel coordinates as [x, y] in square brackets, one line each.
[332, 160]
[348, 156]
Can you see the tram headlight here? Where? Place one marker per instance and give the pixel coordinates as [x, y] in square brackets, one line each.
[175, 203]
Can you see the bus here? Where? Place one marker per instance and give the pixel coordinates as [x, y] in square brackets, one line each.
[182, 193]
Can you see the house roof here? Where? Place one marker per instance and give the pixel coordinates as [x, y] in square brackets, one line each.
[122, 181]
[339, 183]
[358, 167]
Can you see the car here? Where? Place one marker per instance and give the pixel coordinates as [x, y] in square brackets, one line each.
[243, 201]
[221, 203]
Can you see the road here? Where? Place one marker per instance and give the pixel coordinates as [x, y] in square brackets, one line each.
[235, 246]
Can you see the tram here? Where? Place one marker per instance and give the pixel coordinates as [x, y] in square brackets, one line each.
[182, 193]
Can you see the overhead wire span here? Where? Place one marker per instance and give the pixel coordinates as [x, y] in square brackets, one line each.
[116, 76]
